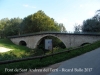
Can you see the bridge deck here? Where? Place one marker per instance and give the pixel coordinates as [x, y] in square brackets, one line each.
[63, 33]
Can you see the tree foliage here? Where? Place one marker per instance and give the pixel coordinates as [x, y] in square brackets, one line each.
[36, 22]
[9, 27]
[93, 24]
[13, 27]
[3, 23]
[77, 28]
[62, 28]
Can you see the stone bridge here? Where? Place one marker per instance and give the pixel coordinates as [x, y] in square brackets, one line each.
[69, 39]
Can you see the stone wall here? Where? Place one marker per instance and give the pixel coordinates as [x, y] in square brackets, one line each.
[69, 40]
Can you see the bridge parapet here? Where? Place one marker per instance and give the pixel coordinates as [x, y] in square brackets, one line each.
[55, 32]
[69, 39]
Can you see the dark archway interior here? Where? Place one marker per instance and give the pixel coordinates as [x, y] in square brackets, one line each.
[23, 43]
[85, 44]
[56, 42]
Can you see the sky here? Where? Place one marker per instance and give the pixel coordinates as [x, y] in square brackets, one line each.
[68, 12]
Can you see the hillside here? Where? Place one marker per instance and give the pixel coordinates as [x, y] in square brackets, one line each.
[8, 50]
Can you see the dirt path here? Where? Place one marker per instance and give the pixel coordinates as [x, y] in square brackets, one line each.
[3, 49]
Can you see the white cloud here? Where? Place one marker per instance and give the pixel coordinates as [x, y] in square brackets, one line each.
[91, 13]
[28, 6]
[78, 22]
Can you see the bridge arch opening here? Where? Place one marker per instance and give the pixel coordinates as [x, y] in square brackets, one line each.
[23, 43]
[57, 43]
[85, 43]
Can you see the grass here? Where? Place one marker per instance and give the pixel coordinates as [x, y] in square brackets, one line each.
[16, 50]
[37, 63]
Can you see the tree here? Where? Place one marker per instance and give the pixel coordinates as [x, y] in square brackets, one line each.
[13, 27]
[38, 22]
[77, 28]
[3, 24]
[62, 28]
[97, 15]
[91, 25]
[10, 27]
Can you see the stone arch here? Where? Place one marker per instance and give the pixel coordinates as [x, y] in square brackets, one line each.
[48, 35]
[85, 43]
[23, 43]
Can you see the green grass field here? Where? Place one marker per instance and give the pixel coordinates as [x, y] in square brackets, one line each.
[16, 50]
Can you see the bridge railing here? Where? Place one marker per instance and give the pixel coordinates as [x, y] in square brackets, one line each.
[35, 33]
[58, 32]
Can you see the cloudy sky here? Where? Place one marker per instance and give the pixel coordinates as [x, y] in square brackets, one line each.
[68, 12]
